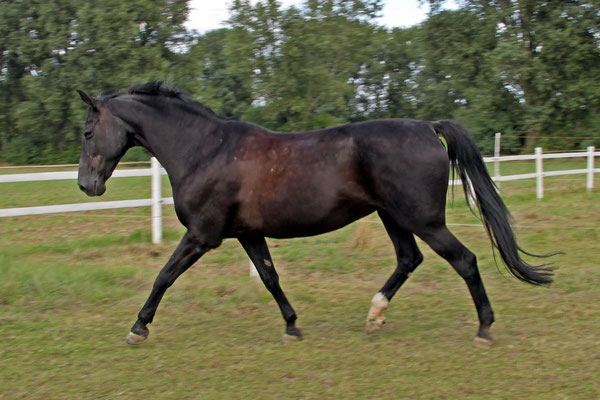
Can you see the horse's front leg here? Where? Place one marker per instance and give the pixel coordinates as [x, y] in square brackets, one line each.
[257, 250]
[189, 250]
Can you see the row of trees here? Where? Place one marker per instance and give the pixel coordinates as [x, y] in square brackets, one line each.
[521, 67]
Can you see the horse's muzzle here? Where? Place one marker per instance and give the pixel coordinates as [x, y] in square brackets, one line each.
[94, 188]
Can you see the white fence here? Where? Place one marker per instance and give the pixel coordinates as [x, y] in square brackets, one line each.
[157, 200]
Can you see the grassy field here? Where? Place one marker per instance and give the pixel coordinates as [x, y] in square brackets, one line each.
[72, 284]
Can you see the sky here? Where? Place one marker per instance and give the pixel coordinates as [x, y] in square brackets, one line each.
[210, 14]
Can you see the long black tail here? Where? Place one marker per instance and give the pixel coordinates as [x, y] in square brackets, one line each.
[467, 160]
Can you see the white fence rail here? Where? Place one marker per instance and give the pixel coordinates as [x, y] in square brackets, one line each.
[157, 200]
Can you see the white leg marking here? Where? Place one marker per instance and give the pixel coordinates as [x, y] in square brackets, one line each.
[380, 301]
[375, 317]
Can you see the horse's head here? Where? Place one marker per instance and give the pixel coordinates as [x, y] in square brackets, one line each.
[105, 141]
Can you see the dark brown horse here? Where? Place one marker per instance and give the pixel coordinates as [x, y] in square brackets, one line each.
[234, 179]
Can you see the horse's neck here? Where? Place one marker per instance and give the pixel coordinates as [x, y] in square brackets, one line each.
[178, 146]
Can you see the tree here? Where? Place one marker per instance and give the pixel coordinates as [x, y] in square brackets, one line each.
[521, 67]
[548, 57]
[300, 62]
[54, 47]
[457, 78]
[214, 78]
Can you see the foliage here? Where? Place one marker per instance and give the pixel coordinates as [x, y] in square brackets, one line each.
[547, 55]
[521, 67]
[48, 49]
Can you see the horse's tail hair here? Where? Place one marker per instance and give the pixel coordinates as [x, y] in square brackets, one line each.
[466, 159]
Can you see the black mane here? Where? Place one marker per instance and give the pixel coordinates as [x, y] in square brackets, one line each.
[159, 89]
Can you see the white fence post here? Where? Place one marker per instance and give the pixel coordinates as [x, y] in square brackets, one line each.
[253, 271]
[539, 172]
[497, 157]
[590, 168]
[471, 198]
[156, 201]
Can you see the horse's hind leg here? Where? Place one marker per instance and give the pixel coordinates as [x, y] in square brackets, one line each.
[257, 250]
[408, 257]
[444, 243]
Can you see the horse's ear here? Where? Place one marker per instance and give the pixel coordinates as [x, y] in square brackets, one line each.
[90, 101]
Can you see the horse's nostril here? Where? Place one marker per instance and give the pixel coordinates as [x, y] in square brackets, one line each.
[82, 188]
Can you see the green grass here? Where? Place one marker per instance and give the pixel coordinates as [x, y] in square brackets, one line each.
[72, 284]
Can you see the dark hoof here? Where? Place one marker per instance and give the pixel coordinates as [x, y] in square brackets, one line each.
[291, 335]
[482, 343]
[373, 325]
[137, 338]
[287, 338]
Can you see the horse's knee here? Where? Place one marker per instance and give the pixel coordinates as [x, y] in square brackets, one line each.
[408, 264]
[469, 258]
[465, 265]
[418, 259]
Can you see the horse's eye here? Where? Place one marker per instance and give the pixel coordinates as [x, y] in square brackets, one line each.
[88, 134]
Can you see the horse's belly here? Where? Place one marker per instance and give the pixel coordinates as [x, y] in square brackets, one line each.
[303, 201]
[281, 221]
